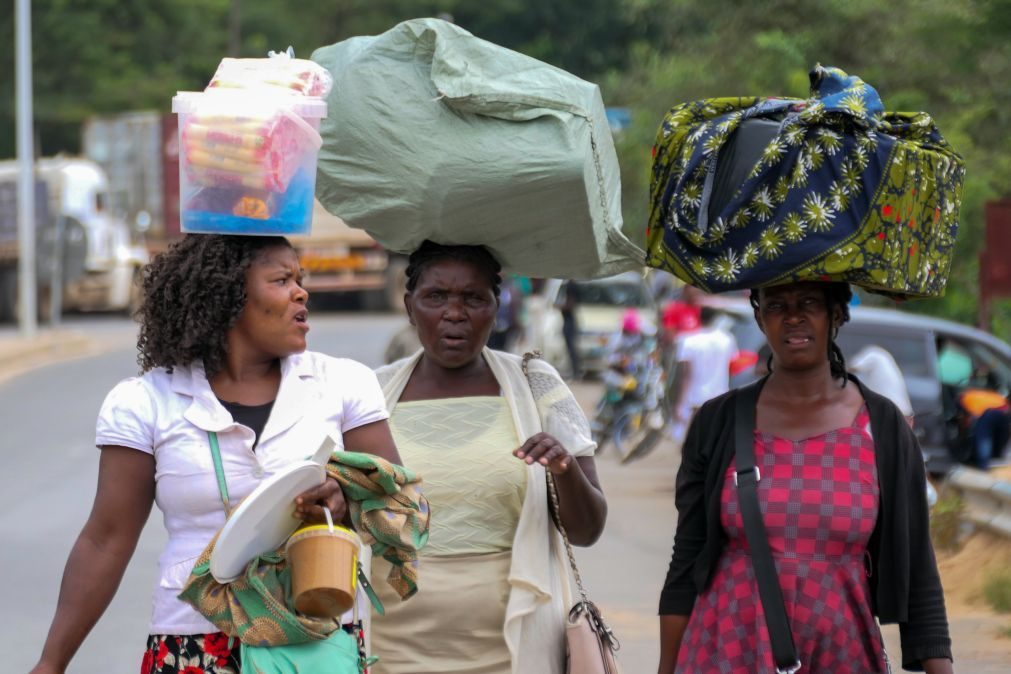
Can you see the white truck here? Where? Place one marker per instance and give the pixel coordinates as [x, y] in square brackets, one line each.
[102, 275]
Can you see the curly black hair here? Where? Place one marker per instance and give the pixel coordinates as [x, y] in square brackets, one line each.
[428, 253]
[192, 294]
[837, 294]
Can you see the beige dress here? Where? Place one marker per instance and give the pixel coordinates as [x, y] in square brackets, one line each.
[462, 448]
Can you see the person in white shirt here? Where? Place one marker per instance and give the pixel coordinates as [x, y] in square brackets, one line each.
[223, 349]
[879, 371]
[704, 358]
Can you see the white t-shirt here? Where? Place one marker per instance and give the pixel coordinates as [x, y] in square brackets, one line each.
[709, 351]
[169, 415]
[879, 371]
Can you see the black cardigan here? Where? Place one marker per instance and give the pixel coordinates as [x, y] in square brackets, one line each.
[905, 586]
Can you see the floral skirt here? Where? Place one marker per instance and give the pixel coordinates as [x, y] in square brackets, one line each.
[211, 653]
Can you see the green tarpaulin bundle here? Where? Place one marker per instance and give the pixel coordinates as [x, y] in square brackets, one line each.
[435, 134]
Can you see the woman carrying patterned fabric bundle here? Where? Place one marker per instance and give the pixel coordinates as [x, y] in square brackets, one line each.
[841, 488]
[493, 579]
[222, 346]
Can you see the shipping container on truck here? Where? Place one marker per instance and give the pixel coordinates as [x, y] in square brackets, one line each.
[139, 151]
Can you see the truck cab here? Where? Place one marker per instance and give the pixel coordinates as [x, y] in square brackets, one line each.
[101, 276]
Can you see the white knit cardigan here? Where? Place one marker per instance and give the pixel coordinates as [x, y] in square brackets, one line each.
[539, 575]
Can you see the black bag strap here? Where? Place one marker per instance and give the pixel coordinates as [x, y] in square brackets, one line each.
[746, 478]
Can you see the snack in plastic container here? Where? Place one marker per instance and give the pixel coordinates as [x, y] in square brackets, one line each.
[261, 149]
[247, 160]
[280, 71]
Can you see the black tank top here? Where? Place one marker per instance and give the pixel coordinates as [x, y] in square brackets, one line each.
[253, 416]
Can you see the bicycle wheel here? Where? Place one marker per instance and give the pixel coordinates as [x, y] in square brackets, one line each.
[628, 433]
[648, 443]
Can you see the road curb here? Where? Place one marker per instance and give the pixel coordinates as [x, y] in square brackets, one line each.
[20, 354]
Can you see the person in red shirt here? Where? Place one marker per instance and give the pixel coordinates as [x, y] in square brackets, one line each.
[678, 317]
[683, 314]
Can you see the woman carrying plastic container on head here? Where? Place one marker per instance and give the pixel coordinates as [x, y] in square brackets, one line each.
[838, 483]
[493, 575]
[223, 349]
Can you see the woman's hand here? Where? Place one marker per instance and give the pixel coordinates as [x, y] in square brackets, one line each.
[546, 450]
[310, 503]
[582, 507]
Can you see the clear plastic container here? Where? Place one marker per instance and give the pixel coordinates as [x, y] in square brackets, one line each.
[247, 161]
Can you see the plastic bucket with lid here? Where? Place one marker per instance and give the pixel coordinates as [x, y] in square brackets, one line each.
[324, 565]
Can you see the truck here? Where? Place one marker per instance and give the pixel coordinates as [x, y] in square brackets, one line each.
[90, 249]
[139, 151]
[337, 258]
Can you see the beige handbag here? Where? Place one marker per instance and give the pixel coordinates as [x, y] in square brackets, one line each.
[590, 644]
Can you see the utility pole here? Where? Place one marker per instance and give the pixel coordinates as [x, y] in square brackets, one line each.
[28, 318]
[235, 29]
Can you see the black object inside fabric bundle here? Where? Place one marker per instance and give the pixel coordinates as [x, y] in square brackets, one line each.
[740, 154]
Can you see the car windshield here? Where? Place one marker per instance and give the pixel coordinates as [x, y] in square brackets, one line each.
[983, 368]
[614, 294]
[909, 349]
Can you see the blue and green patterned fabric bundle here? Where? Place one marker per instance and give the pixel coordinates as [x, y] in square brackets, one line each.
[841, 191]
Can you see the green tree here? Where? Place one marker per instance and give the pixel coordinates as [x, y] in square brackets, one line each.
[105, 56]
[951, 58]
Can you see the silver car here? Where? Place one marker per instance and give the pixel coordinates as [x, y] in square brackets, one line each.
[913, 341]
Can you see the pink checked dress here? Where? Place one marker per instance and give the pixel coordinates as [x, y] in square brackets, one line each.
[819, 499]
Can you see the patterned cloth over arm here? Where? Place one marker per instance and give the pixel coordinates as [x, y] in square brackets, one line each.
[388, 511]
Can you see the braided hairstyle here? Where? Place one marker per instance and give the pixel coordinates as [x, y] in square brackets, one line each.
[837, 294]
[192, 295]
[428, 253]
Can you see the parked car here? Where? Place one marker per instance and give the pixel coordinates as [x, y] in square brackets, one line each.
[913, 340]
[602, 302]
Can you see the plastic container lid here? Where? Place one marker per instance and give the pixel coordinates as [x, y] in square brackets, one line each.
[239, 101]
[317, 530]
[264, 520]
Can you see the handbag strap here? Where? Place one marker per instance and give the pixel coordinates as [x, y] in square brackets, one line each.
[584, 602]
[219, 471]
[556, 511]
[556, 515]
[746, 478]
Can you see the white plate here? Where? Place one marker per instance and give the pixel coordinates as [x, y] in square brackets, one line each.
[263, 521]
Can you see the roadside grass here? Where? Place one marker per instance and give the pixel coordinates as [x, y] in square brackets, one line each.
[997, 591]
[945, 521]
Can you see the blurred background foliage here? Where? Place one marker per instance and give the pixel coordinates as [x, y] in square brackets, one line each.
[951, 58]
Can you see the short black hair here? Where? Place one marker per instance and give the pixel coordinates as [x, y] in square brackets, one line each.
[192, 294]
[429, 252]
[837, 294]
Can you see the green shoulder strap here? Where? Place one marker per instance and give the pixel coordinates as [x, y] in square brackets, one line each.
[219, 471]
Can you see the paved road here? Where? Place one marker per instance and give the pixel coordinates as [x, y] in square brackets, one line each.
[48, 484]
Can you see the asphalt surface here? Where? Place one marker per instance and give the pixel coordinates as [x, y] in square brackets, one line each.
[50, 474]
